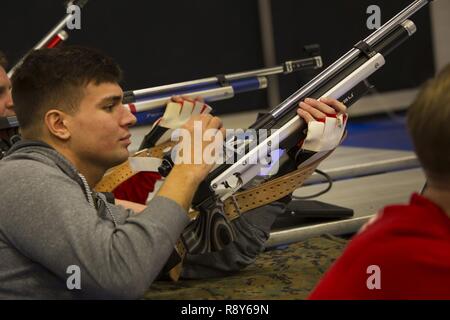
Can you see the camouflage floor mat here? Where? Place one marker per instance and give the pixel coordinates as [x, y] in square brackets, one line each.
[289, 273]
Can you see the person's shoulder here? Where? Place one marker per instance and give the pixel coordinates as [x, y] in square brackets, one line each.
[402, 245]
[420, 219]
[400, 233]
[28, 174]
[30, 186]
[26, 167]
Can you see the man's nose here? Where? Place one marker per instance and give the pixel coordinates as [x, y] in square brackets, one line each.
[128, 118]
[9, 101]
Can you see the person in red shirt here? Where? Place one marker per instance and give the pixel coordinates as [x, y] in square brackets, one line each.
[404, 252]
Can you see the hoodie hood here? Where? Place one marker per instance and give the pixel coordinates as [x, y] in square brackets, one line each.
[44, 153]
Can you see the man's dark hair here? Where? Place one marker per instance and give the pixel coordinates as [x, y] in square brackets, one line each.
[3, 61]
[56, 78]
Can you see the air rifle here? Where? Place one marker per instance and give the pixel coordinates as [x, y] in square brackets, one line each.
[343, 80]
[148, 104]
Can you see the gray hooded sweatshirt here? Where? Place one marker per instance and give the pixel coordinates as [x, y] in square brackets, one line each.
[61, 240]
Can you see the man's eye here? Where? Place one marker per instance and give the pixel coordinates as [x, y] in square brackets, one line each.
[109, 107]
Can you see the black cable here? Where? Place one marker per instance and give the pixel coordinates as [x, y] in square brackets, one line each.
[424, 187]
[330, 184]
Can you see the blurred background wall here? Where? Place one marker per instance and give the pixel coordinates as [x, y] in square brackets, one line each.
[161, 42]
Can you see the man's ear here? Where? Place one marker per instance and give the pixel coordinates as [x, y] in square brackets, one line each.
[56, 123]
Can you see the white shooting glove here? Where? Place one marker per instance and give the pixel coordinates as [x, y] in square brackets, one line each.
[325, 134]
[178, 111]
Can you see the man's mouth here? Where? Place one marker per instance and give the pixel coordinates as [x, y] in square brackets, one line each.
[127, 137]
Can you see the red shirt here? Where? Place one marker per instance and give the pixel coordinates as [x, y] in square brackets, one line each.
[411, 246]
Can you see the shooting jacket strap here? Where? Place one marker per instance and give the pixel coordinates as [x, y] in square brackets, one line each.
[269, 191]
[244, 201]
[115, 176]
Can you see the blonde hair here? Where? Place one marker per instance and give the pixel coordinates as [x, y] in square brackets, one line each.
[429, 126]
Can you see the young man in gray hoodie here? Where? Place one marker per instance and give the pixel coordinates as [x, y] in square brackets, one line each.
[54, 227]
[52, 224]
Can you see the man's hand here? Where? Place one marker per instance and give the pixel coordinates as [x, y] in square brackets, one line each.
[195, 161]
[180, 109]
[185, 177]
[312, 109]
[326, 119]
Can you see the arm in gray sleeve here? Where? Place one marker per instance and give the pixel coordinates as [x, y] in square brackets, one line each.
[252, 230]
[50, 222]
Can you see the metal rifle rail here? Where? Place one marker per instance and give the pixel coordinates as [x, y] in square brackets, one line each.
[223, 80]
[338, 65]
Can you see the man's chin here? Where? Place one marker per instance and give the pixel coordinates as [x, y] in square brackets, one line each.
[121, 157]
[112, 161]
